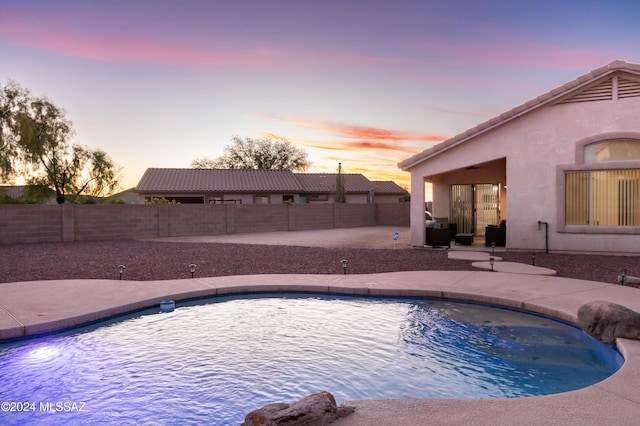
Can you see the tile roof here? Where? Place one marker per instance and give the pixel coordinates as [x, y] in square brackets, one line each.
[551, 96]
[157, 180]
[388, 187]
[217, 180]
[326, 182]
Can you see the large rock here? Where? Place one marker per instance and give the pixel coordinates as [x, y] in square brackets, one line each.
[606, 321]
[317, 409]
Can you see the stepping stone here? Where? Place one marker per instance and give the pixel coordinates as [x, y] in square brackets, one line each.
[514, 268]
[471, 255]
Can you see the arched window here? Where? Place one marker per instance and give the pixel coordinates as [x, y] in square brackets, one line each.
[612, 150]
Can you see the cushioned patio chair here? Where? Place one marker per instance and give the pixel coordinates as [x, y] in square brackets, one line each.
[496, 234]
[438, 237]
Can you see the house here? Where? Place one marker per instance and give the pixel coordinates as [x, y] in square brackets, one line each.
[27, 194]
[243, 186]
[387, 191]
[563, 169]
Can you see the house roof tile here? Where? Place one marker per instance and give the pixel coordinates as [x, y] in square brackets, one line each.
[217, 180]
[158, 180]
[544, 99]
[326, 182]
[388, 187]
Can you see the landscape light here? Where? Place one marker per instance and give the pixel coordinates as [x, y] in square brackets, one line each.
[491, 261]
[120, 270]
[344, 266]
[623, 276]
[533, 259]
[192, 268]
[493, 247]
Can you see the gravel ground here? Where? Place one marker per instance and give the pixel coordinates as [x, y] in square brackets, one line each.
[157, 260]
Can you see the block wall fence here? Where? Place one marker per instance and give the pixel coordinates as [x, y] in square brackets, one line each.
[78, 222]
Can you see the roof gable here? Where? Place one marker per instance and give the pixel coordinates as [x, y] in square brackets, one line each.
[617, 79]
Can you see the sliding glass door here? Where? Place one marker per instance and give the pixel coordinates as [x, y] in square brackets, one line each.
[474, 206]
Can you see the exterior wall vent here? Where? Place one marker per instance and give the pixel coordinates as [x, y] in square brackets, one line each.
[603, 91]
[628, 88]
[615, 87]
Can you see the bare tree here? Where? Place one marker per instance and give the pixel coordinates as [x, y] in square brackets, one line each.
[257, 153]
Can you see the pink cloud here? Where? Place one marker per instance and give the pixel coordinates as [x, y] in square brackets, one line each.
[362, 145]
[48, 32]
[359, 132]
[347, 146]
[42, 35]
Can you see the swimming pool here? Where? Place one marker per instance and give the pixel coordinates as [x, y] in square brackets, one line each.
[213, 362]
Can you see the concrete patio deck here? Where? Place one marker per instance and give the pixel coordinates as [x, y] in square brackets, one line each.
[29, 308]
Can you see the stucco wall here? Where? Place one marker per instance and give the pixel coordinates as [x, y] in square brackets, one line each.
[534, 145]
[386, 198]
[69, 222]
[30, 223]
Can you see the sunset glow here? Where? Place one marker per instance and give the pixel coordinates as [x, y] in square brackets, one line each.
[365, 84]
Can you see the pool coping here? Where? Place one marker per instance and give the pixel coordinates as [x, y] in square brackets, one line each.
[37, 307]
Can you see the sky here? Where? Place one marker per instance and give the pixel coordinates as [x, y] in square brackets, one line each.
[365, 83]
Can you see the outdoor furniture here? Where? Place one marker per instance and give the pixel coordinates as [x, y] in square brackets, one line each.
[464, 239]
[438, 237]
[496, 234]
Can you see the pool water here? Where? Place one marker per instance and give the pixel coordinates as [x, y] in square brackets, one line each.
[213, 362]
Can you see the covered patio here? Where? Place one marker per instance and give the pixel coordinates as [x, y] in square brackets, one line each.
[570, 160]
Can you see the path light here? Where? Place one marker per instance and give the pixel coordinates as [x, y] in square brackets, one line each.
[192, 268]
[533, 259]
[491, 261]
[623, 276]
[493, 247]
[120, 270]
[344, 266]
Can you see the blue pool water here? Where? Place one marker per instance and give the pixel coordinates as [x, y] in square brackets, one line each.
[213, 362]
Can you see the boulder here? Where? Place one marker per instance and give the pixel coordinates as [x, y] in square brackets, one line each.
[606, 321]
[317, 409]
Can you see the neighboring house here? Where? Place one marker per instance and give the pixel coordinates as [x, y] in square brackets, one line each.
[240, 186]
[128, 196]
[387, 191]
[568, 160]
[23, 194]
[13, 192]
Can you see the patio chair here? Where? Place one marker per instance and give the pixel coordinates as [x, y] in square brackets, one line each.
[496, 234]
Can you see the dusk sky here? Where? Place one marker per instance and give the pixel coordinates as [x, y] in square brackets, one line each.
[366, 83]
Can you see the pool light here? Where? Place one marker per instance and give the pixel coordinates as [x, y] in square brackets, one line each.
[43, 353]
